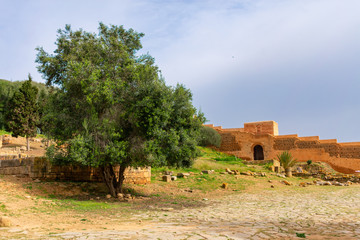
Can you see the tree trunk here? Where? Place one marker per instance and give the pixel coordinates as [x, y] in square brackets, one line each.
[27, 144]
[121, 178]
[113, 183]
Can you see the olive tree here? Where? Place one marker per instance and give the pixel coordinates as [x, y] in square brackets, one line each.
[111, 107]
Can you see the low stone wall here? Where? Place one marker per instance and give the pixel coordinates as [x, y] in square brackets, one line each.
[41, 168]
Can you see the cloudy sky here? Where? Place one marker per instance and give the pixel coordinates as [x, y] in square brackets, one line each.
[296, 62]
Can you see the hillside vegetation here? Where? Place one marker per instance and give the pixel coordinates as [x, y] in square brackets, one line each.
[7, 90]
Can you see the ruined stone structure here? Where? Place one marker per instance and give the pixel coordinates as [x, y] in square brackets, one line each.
[261, 140]
[41, 168]
[15, 161]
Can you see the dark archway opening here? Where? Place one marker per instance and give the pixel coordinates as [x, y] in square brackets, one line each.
[258, 152]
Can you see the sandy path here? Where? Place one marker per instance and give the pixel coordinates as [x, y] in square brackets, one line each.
[319, 212]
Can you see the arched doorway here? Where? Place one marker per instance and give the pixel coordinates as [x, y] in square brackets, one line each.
[258, 152]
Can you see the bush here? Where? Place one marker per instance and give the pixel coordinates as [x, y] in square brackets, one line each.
[309, 162]
[209, 137]
[286, 160]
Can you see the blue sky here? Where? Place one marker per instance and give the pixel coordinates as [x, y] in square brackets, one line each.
[296, 62]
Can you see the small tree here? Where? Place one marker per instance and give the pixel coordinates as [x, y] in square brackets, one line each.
[112, 108]
[286, 161]
[209, 137]
[23, 116]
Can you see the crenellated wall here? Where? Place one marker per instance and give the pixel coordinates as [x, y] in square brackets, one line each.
[241, 142]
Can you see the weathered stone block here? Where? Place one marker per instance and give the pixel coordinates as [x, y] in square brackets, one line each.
[166, 178]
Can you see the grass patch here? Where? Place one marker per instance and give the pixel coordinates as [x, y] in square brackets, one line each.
[230, 160]
[3, 208]
[3, 132]
[85, 206]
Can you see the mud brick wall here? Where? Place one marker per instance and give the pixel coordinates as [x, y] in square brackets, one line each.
[229, 142]
[284, 143]
[349, 151]
[1, 140]
[240, 142]
[269, 127]
[41, 168]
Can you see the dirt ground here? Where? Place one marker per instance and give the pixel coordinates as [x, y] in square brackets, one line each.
[259, 212]
[76, 210]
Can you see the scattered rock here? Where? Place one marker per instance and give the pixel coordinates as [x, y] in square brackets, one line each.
[223, 173]
[167, 209]
[205, 199]
[270, 181]
[120, 195]
[97, 198]
[263, 174]
[303, 184]
[225, 185]
[128, 195]
[272, 186]
[168, 173]
[228, 170]
[166, 178]
[338, 184]
[108, 196]
[281, 175]
[37, 180]
[173, 178]
[208, 171]
[286, 182]
[5, 222]
[247, 173]
[236, 172]
[323, 183]
[183, 175]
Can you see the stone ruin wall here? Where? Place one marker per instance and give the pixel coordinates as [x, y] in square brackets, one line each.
[342, 157]
[41, 168]
[13, 161]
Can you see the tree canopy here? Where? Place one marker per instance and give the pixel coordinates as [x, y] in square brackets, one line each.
[22, 116]
[112, 107]
[7, 90]
[209, 137]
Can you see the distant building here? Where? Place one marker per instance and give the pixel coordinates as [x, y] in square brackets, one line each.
[261, 141]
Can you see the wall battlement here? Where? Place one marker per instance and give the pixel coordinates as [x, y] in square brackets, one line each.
[260, 140]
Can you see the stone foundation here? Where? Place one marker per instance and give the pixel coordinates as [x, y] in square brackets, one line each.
[41, 168]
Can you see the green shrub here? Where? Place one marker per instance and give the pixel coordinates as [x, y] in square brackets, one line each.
[309, 162]
[286, 160]
[209, 137]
